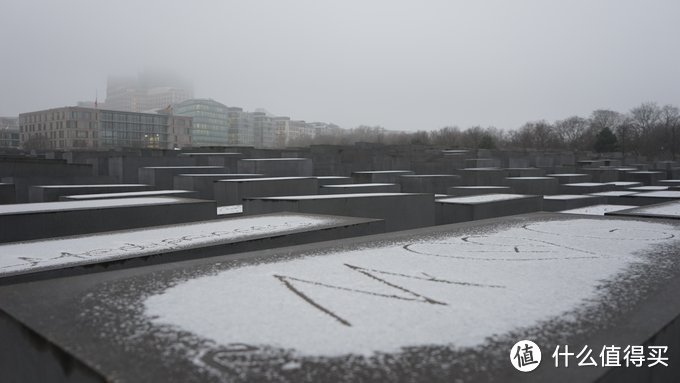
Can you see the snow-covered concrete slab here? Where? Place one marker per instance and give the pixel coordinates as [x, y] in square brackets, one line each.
[277, 167]
[435, 304]
[232, 192]
[379, 176]
[162, 177]
[28, 221]
[360, 188]
[129, 248]
[600, 209]
[471, 208]
[570, 201]
[52, 193]
[667, 210]
[148, 193]
[204, 184]
[400, 211]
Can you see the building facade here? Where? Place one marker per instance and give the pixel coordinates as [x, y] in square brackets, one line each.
[210, 121]
[9, 132]
[240, 127]
[71, 128]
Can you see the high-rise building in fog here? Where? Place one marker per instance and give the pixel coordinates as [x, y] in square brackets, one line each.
[210, 121]
[145, 92]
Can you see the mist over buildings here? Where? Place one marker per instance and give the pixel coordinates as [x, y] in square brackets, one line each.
[401, 65]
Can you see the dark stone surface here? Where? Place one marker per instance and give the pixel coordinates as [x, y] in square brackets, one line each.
[22, 222]
[94, 327]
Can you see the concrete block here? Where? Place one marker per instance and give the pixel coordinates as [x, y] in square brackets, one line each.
[571, 178]
[170, 322]
[415, 210]
[125, 169]
[585, 188]
[228, 161]
[464, 191]
[277, 167]
[535, 185]
[602, 175]
[23, 184]
[163, 177]
[84, 254]
[379, 176]
[663, 210]
[428, 183]
[525, 172]
[615, 197]
[463, 209]
[149, 193]
[359, 188]
[333, 180]
[52, 193]
[204, 184]
[624, 185]
[649, 178]
[571, 201]
[483, 176]
[7, 194]
[21, 222]
[232, 192]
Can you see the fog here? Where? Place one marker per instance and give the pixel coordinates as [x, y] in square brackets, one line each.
[404, 65]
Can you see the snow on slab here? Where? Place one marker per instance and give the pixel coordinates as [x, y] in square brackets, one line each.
[265, 179]
[597, 209]
[483, 198]
[218, 175]
[670, 209]
[614, 193]
[586, 184]
[21, 208]
[383, 171]
[529, 178]
[91, 186]
[660, 194]
[32, 256]
[623, 183]
[129, 194]
[334, 196]
[649, 188]
[183, 167]
[274, 159]
[447, 290]
[229, 209]
[562, 197]
[566, 175]
[357, 185]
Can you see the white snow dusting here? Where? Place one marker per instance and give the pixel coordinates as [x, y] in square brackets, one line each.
[446, 291]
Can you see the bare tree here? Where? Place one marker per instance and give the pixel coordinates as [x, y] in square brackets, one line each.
[571, 131]
[670, 121]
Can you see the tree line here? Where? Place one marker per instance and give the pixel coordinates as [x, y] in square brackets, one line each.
[648, 129]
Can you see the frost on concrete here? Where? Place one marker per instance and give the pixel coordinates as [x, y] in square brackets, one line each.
[26, 257]
[444, 290]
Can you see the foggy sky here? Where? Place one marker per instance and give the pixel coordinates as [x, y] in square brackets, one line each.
[404, 65]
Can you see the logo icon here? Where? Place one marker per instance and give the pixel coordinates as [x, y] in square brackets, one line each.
[525, 355]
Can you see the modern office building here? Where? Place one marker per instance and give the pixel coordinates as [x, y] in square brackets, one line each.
[145, 92]
[9, 132]
[264, 130]
[70, 128]
[240, 127]
[210, 121]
